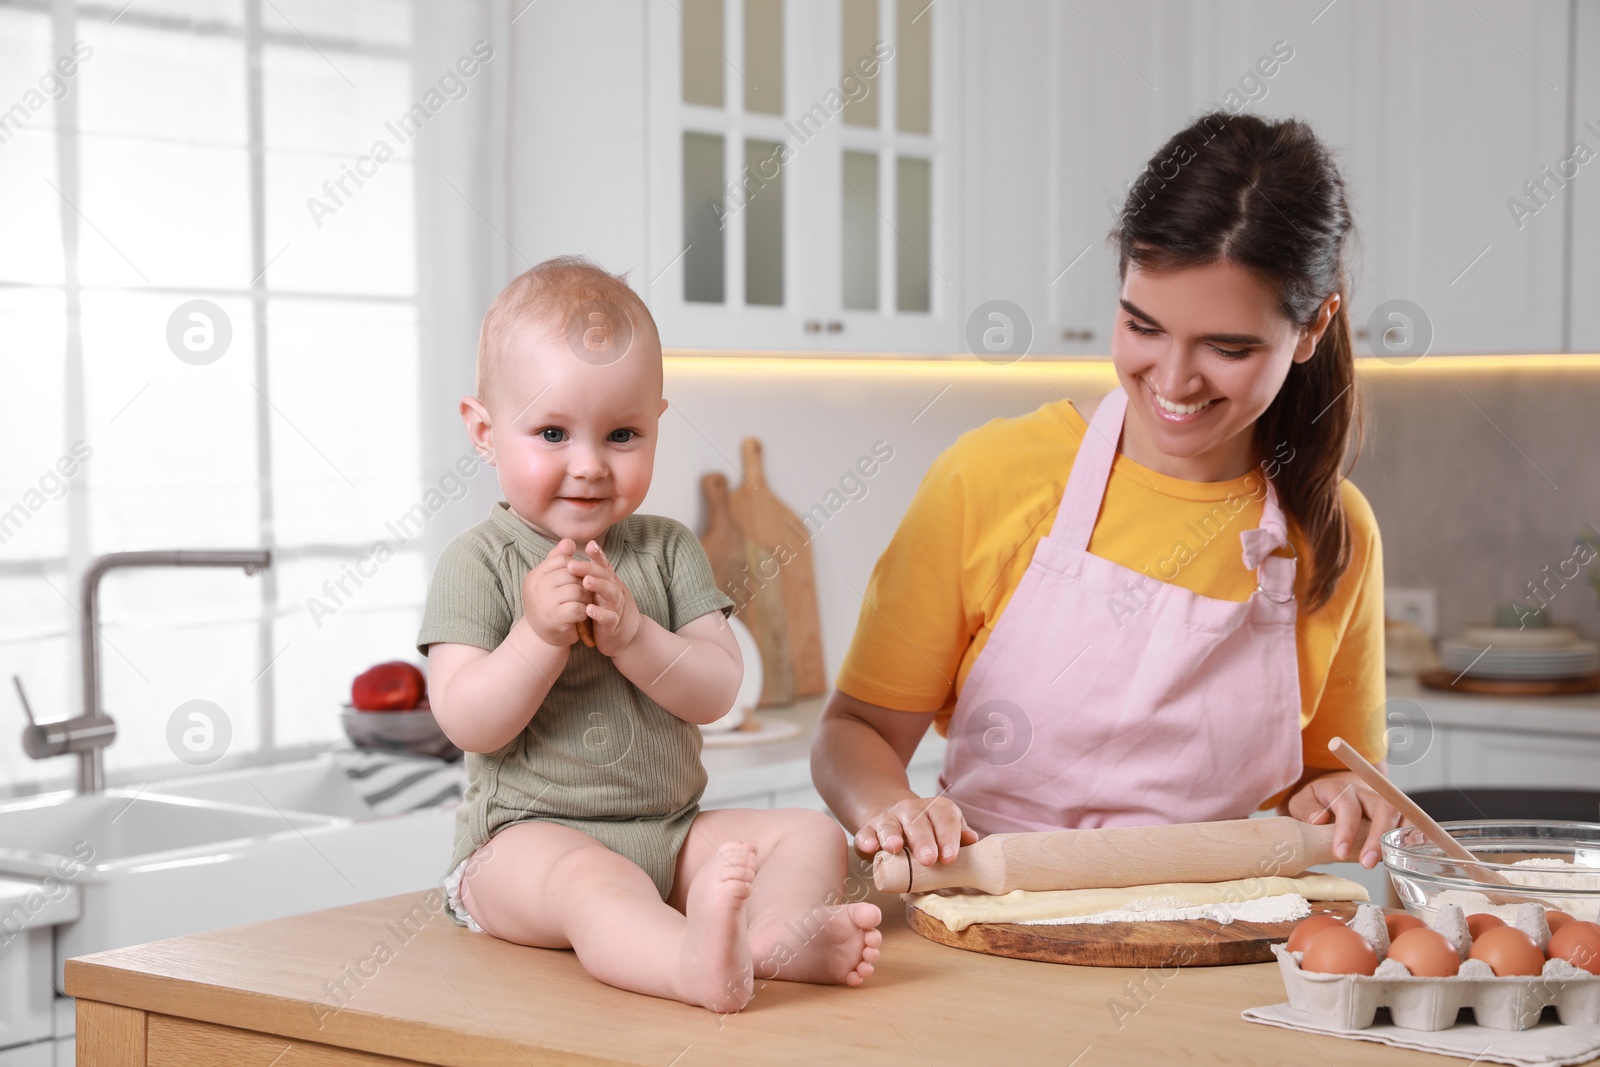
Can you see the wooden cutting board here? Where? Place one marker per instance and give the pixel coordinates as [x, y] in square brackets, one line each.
[1187, 943]
[733, 557]
[1456, 683]
[784, 547]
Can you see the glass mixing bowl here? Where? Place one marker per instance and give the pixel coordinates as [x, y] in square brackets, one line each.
[1424, 877]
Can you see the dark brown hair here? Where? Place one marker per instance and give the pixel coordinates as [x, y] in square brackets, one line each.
[1268, 197]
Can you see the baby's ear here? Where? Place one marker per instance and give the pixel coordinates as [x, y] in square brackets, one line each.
[479, 431]
[663, 410]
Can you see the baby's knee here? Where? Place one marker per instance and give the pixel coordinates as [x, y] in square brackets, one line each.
[812, 825]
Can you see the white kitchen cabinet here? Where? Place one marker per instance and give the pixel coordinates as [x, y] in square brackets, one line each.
[1493, 741]
[1430, 771]
[32, 910]
[38, 1055]
[1585, 194]
[800, 192]
[1474, 105]
[1041, 116]
[923, 776]
[1437, 117]
[1531, 761]
[1140, 55]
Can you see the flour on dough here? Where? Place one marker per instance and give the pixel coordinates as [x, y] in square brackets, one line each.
[958, 909]
[1283, 908]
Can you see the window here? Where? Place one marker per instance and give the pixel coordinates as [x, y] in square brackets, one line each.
[227, 151]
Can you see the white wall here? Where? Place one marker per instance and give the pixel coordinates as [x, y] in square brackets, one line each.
[815, 420]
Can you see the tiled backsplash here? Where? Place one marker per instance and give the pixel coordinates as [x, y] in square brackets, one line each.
[1482, 481]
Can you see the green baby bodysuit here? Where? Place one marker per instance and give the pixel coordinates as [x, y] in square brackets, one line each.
[599, 755]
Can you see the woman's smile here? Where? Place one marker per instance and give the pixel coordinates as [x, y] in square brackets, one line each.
[1173, 411]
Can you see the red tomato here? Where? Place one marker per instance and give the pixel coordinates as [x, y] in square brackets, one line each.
[392, 686]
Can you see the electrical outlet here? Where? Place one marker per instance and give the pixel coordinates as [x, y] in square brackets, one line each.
[1419, 607]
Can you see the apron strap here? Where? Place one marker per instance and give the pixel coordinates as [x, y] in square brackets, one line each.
[1274, 574]
[1091, 470]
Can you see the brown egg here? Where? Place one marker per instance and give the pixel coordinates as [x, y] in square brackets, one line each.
[1306, 929]
[1425, 953]
[1477, 924]
[1339, 950]
[1579, 944]
[1557, 919]
[1507, 951]
[1400, 922]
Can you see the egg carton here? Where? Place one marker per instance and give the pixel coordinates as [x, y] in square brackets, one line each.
[1351, 1001]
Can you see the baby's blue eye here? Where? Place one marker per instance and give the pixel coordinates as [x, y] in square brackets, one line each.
[626, 436]
[559, 434]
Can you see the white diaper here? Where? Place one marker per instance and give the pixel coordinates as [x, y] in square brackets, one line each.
[452, 895]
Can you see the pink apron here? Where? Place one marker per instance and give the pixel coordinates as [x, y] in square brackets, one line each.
[1106, 698]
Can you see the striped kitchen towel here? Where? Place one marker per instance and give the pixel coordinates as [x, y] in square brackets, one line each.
[394, 784]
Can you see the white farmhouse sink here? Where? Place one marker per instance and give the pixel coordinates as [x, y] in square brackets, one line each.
[151, 865]
[41, 833]
[317, 785]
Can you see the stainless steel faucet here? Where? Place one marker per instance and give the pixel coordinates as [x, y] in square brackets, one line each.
[89, 733]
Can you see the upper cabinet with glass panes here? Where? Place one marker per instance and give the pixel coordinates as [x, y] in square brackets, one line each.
[800, 188]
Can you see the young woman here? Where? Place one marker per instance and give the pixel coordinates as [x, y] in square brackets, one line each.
[1161, 607]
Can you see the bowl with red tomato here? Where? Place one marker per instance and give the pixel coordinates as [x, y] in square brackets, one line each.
[388, 712]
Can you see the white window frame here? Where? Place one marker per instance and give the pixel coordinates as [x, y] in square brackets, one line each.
[65, 17]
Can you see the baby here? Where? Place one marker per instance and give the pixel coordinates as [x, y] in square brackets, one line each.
[581, 825]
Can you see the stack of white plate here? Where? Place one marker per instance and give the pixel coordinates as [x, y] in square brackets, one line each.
[1521, 655]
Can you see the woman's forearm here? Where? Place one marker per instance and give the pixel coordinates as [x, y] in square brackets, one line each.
[690, 677]
[856, 770]
[494, 697]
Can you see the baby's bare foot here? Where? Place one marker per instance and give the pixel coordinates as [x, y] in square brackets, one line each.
[827, 944]
[715, 964]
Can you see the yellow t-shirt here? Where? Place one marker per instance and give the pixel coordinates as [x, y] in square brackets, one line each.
[960, 552]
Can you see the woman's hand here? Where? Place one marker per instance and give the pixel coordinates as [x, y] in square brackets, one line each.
[933, 830]
[616, 616]
[553, 599]
[1347, 799]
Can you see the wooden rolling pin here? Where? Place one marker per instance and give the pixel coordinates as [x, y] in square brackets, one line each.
[1118, 856]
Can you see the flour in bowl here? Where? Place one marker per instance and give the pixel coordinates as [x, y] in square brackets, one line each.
[1549, 873]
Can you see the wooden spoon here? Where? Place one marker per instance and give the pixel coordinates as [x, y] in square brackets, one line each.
[1408, 807]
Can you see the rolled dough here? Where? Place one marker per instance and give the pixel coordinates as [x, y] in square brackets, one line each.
[959, 909]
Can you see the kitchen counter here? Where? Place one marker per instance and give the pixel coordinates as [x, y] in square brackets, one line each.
[1574, 715]
[740, 775]
[393, 981]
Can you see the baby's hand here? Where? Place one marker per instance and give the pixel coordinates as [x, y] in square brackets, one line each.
[616, 616]
[553, 599]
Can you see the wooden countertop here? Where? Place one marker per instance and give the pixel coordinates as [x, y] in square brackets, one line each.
[361, 977]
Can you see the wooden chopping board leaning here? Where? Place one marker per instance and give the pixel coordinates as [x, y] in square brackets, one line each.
[1245, 858]
[781, 570]
[734, 558]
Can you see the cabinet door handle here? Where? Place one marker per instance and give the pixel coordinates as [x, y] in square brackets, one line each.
[813, 326]
[835, 326]
[1077, 335]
